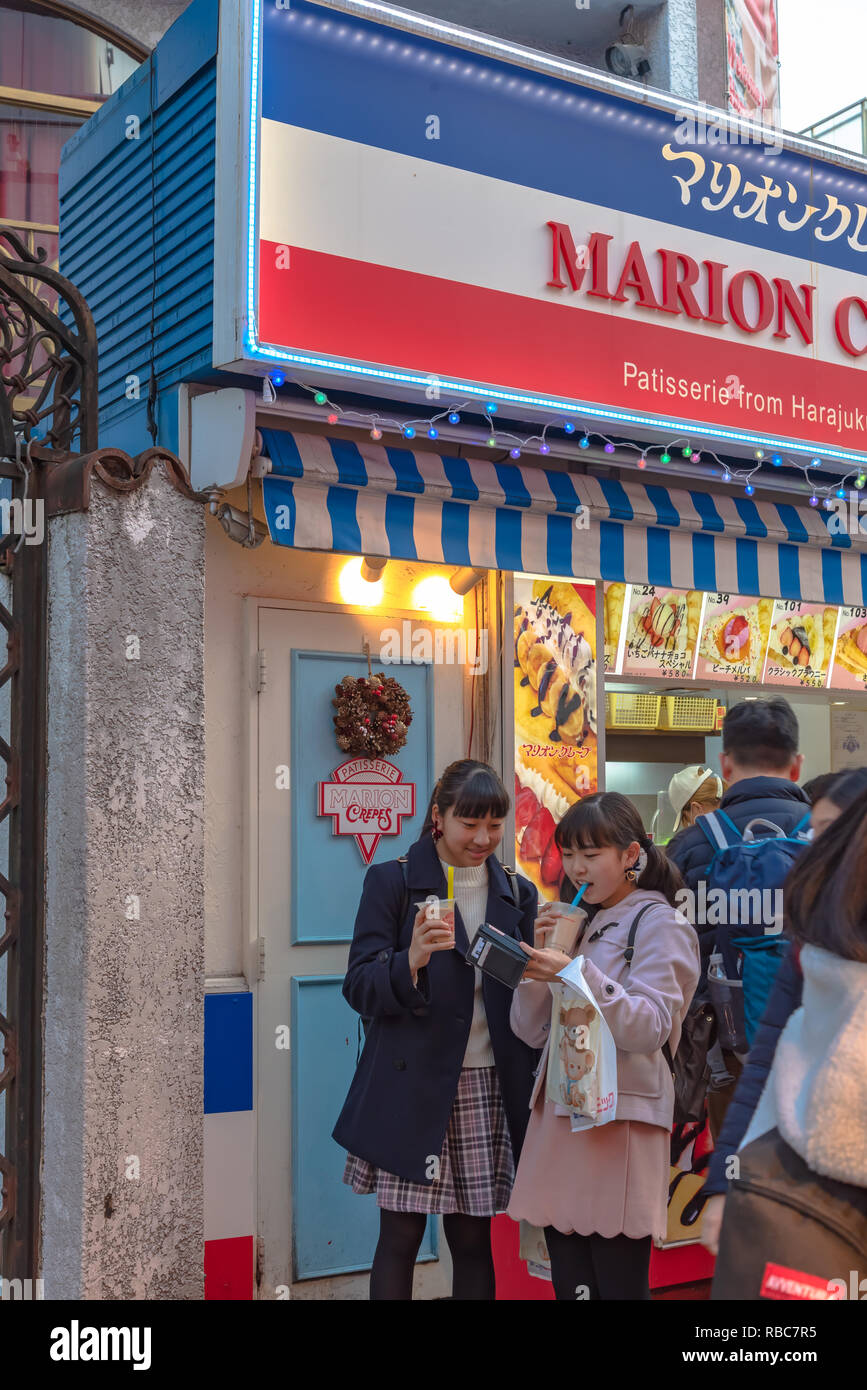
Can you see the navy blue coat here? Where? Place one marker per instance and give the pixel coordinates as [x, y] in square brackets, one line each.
[784, 999]
[398, 1107]
[772, 798]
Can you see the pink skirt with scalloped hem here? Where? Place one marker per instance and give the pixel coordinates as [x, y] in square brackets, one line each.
[611, 1180]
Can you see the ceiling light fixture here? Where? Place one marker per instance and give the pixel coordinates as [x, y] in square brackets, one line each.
[464, 580]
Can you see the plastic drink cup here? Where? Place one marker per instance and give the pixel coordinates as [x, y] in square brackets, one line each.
[570, 920]
[442, 910]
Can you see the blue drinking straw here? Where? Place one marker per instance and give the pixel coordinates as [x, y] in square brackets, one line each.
[579, 895]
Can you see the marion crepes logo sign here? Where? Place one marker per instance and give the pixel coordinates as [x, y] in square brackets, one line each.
[366, 797]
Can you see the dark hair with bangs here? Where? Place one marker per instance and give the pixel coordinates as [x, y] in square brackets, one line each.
[610, 819]
[818, 787]
[470, 789]
[825, 894]
[847, 787]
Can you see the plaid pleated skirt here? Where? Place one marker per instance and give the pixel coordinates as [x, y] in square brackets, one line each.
[476, 1167]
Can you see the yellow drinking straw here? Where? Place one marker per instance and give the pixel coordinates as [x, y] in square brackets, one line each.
[450, 875]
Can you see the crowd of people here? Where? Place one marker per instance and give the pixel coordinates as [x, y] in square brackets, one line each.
[449, 1113]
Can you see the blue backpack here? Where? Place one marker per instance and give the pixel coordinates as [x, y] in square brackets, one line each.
[749, 871]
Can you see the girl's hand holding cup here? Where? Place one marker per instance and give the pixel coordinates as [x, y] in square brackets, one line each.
[558, 926]
[429, 933]
[546, 920]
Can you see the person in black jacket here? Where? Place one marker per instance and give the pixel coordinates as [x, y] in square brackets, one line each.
[761, 764]
[832, 794]
[437, 1109]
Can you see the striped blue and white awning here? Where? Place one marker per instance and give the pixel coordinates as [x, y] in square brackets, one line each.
[366, 498]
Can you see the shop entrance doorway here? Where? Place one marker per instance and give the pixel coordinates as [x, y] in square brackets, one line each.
[317, 1237]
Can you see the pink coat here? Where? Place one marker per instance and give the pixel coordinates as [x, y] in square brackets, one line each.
[643, 1002]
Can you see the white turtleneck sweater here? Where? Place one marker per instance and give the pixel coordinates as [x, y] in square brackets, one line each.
[471, 896]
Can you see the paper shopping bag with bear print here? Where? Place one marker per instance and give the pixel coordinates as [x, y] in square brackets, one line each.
[582, 1055]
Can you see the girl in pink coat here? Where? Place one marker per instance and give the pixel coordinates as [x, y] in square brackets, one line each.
[601, 1194]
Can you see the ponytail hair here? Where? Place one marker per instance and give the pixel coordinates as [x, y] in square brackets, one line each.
[608, 818]
[469, 789]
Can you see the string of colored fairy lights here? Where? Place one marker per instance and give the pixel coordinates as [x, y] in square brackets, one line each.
[517, 444]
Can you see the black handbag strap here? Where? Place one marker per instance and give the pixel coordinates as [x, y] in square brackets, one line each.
[630, 943]
[628, 954]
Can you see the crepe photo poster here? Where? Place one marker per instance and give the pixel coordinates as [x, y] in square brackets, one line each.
[662, 630]
[555, 716]
[849, 663]
[734, 638]
[800, 644]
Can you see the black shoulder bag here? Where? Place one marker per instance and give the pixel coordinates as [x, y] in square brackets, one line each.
[694, 1069]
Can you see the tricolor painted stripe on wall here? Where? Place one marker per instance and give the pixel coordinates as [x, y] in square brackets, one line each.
[230, 1135]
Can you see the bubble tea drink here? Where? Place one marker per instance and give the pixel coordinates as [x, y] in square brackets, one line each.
[567, 928]
[442, 909]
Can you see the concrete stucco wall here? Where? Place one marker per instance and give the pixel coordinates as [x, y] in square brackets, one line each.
[674, 54]
[125, 816]
[712, 63]
[144, 22]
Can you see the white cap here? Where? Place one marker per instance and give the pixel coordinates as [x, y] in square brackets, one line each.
[684, 785]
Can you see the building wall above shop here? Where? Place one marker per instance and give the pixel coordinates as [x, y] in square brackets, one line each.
[667, 31]
[146, 23]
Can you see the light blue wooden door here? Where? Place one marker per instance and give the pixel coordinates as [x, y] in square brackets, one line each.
[329, 869]
[334, 1229]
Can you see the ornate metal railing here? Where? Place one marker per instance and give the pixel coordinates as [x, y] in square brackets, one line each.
[48, 393]
[48, 355]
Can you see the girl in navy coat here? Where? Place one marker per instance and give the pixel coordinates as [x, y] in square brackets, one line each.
[437, 1110]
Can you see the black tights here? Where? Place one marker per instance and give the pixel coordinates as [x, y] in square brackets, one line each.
[400, 1235]
[604, 1266]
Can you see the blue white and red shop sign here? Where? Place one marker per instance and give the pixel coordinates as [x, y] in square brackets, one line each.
[423, 214]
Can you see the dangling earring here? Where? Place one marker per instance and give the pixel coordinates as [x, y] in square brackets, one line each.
[637, 869]
[436, 833]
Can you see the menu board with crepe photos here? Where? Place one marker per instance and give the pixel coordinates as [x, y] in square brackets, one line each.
[800, 644]
[849, 664]
[556, 681]
[662, 627]
[734, 638]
